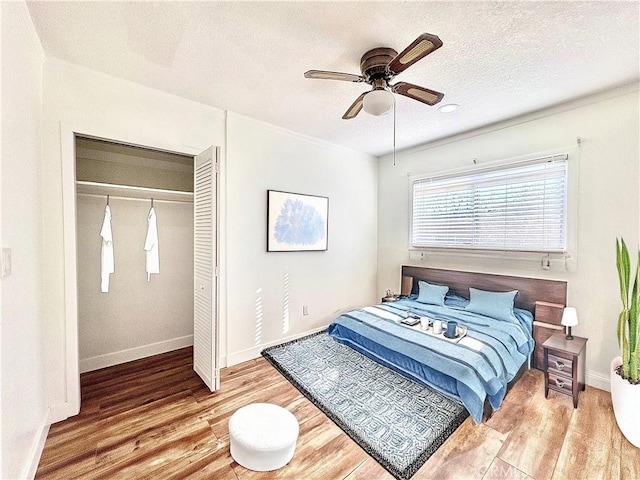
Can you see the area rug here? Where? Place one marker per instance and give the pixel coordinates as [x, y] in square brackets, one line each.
[397, 421]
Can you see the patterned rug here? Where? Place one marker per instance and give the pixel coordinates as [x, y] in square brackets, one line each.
[398, 422]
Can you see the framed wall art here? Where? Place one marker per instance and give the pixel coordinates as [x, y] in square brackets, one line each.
[296, 222]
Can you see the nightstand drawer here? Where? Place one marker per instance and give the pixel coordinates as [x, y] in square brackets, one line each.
[559, 365]
[560, 383]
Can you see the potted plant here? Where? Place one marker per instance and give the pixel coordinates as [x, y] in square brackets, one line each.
[625, 370]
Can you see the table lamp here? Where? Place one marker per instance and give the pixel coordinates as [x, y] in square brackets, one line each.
[569, 319]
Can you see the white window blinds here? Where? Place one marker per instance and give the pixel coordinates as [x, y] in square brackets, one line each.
[516, 207]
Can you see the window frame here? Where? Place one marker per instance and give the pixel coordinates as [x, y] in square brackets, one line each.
[569, 255]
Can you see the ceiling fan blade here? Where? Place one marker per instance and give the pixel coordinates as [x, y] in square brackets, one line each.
[420, 48]
[324, 75]
[355, 108]
[421, 94]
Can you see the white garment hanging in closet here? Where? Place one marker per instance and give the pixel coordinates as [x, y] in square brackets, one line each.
[151, 245]
[107, 263]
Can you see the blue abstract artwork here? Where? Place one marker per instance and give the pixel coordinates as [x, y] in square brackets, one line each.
[299, 224]
[296, 222]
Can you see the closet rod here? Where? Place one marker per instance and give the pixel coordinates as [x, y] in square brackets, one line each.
[129, 188]
[147, 200]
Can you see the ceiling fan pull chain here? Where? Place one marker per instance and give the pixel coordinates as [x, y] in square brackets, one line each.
[394, 131]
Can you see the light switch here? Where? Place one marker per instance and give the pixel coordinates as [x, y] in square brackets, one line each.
[6, 262]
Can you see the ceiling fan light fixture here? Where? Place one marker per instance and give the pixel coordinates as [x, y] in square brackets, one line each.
[449, 108]
[379, 66]
[378, 102]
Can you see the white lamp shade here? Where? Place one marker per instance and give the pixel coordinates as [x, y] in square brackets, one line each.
[378, 102]
[569, 317]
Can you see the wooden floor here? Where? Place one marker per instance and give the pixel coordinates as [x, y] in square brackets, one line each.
[154, 419]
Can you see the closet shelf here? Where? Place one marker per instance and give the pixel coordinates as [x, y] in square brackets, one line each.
[128, 191]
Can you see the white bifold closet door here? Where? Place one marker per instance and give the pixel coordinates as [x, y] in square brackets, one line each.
[205, 268]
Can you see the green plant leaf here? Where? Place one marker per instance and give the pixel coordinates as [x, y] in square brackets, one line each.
[622, 318]
[628, 320]
[634, 370]
[633, 309]
[622, 264]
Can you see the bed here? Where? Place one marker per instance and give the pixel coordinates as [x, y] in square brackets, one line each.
[477, 368]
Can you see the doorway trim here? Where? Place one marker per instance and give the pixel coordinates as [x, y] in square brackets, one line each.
[68, 134]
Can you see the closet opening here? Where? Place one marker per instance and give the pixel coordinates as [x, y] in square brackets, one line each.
[137, 252]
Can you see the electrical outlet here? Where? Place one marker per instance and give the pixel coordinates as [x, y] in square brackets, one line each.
[305, 310]
[6, 262]
[546, 263]
[417, 256]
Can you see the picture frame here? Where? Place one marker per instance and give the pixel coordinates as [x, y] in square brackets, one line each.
[297, 222]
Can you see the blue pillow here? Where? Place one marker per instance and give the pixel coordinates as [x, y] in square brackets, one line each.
[497, 305]
[431, 294]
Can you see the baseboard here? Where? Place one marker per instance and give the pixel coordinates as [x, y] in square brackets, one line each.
[116, 358]
[254, 352]
[598, 380]
[36, 450]
[60, 412]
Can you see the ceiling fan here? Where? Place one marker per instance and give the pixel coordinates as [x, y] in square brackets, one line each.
[379, 66]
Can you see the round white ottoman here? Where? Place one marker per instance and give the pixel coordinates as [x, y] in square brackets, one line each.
[263, 436]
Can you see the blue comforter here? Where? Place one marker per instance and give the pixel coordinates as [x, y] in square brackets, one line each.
[476, 368]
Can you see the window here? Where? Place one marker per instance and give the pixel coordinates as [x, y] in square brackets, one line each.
[519, 207]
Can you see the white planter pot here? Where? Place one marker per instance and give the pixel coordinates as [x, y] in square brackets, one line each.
[626, 404]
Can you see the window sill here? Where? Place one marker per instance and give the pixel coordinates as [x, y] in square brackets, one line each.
[537, 260]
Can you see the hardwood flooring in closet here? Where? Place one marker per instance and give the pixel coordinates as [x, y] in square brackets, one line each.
[154, 419]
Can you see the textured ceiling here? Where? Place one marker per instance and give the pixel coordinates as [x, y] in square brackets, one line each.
[499, 59]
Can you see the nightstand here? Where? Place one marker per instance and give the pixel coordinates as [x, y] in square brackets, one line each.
[564, 365]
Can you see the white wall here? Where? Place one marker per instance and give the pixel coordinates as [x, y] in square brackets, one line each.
[23, 395]
[120, 110]
[262, 284]
[607, 204]
[135, 318]
[260, 158]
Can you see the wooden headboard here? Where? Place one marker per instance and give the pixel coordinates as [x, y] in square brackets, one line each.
[530, 290]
